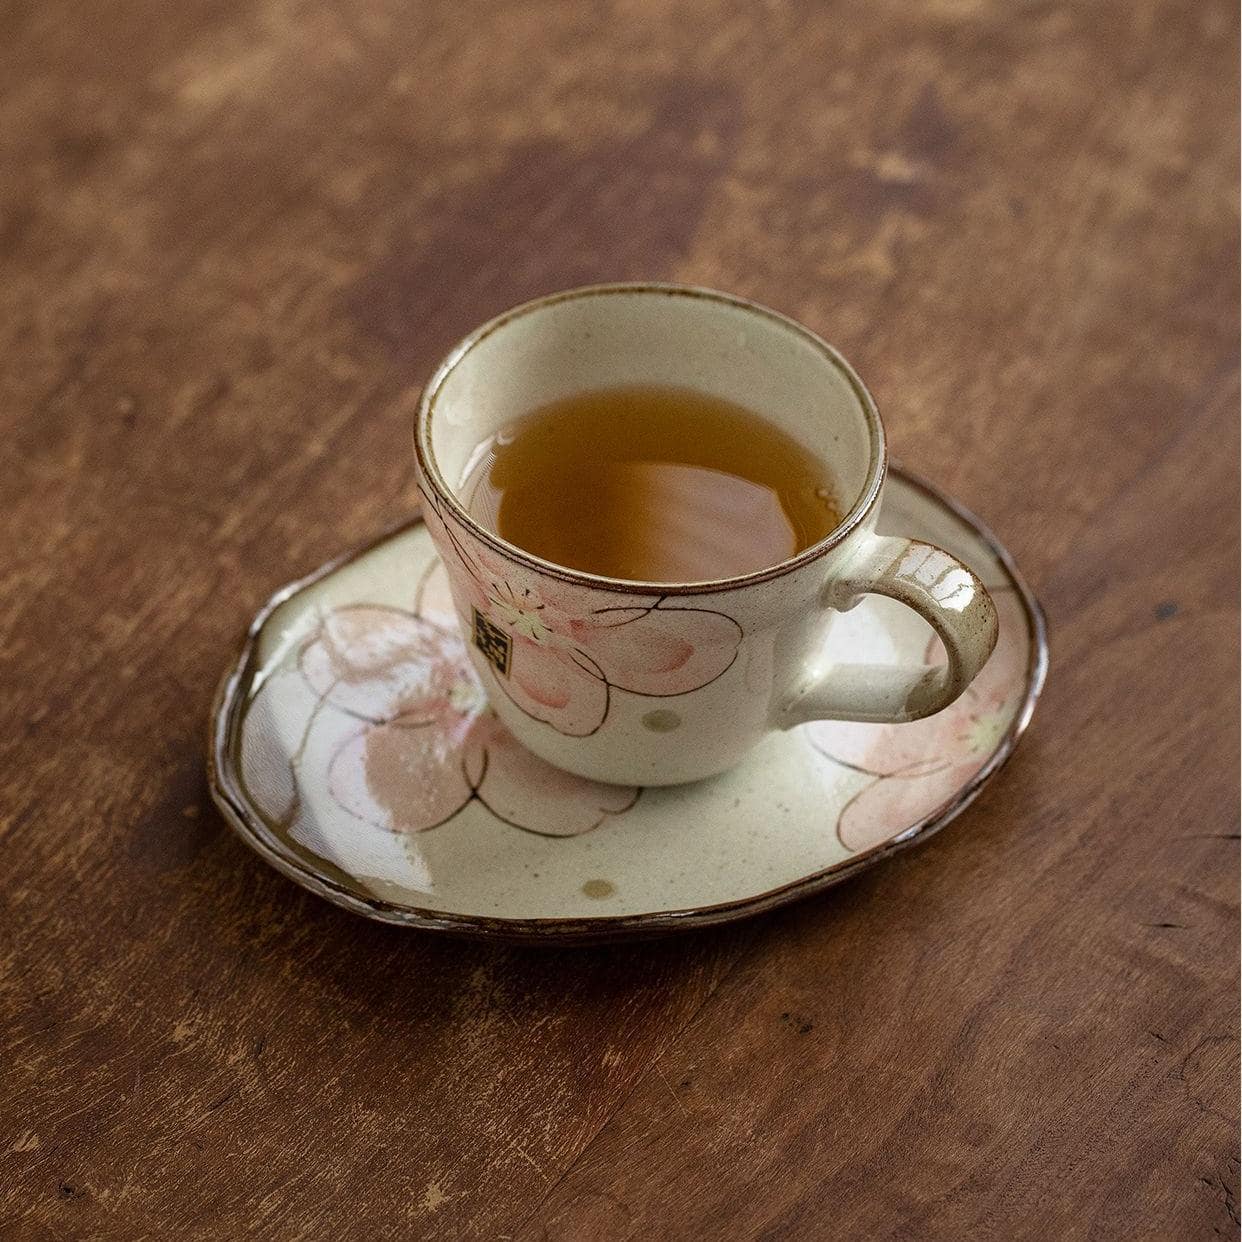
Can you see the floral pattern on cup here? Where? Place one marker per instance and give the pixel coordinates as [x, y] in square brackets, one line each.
[557, 654]
[916, 768]
[414, 741]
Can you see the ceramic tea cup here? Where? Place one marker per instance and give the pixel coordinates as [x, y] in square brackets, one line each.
[659, 683]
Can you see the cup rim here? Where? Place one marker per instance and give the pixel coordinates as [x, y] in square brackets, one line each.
[430, 470]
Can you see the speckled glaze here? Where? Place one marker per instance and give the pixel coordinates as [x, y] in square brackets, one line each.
[354, 748]
[657, 684]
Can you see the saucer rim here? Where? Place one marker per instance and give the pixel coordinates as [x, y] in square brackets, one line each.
[224, 784]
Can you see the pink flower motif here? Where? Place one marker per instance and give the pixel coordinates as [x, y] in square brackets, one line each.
[920, 766]
[566, 654]
[425, 743]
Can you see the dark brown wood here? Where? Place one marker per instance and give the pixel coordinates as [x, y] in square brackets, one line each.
[233, 240]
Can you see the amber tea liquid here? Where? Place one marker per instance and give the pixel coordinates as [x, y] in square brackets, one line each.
[653, 484]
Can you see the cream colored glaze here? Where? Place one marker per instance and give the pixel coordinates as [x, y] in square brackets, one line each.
[349, 784]
[572, 661]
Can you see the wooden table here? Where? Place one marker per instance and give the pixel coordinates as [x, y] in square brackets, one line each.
[233, 239]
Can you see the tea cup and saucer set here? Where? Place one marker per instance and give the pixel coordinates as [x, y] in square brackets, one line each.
[446, 731]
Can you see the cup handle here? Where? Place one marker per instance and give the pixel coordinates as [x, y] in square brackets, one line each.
[946, 594]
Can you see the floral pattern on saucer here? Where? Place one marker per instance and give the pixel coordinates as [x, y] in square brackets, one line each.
[919, 767]
[415, 741]
[562, 655]
[351, 749]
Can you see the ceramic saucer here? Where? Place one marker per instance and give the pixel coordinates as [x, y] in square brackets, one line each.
[353, 749]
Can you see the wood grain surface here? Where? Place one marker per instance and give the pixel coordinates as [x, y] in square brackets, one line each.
[233, 240]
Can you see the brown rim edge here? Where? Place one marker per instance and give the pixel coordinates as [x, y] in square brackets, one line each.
[225, 786]
[430, 469]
